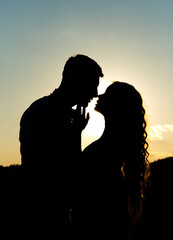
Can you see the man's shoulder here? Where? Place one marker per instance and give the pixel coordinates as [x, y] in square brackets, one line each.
[39, 108]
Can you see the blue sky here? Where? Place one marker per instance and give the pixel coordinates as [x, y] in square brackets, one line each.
[130, 39]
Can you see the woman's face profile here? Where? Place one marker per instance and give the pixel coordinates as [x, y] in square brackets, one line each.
[105, 101]
[115, 101]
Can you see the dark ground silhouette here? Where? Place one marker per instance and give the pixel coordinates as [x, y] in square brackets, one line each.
[158, 212]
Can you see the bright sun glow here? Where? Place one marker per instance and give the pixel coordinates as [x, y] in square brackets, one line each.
[95, 126]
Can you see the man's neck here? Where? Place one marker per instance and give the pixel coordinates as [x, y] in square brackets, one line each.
[66, 98]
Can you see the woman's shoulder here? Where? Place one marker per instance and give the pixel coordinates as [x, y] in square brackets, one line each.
[94, 147]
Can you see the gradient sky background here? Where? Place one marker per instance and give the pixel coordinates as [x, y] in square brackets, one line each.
[132, 40]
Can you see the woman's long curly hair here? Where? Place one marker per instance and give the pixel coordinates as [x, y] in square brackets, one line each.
[129, 118]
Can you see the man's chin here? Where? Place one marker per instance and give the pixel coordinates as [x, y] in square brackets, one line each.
[85, 104]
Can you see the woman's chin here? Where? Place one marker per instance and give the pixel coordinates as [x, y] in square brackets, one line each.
[97, 108]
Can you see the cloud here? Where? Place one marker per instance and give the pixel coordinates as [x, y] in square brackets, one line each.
[156, 132]
[160, 141]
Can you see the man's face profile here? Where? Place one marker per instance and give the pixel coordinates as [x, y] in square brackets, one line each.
[88, 90]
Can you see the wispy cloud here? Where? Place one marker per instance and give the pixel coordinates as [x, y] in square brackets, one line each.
[156, 132]
[161, 141]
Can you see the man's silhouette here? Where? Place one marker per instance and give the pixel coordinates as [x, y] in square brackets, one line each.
[50, 137]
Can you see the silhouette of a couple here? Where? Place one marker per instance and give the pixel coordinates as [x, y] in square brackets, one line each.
[100, 189]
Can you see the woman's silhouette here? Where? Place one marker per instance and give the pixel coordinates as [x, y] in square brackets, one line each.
[116, 166]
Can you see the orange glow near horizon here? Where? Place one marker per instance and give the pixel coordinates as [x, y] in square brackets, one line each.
[131, 41]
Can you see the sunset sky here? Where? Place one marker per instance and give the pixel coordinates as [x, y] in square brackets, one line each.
[132, 40]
